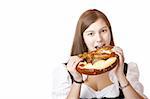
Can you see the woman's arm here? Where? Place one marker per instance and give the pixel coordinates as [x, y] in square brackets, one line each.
[75, 91]
[128, 91]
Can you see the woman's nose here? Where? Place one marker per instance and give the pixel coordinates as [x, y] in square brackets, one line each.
[99, 38]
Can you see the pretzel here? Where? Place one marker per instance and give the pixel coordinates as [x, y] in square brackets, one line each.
[97, 62]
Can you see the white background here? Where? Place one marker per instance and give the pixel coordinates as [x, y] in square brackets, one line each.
[36, 35]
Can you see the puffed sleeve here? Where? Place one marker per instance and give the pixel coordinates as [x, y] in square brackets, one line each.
[61, 83]
[133, 78]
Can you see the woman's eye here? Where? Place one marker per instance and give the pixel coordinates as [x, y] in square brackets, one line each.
[104, 30]
[90, 34]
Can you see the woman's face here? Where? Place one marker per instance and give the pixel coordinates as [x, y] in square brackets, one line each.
[97, 35]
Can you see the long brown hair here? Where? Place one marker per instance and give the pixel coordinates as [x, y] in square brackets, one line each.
[85, 20]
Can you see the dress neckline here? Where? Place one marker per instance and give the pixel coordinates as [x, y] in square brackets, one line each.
[105, 88]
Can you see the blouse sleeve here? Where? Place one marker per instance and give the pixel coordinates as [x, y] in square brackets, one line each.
[133, 78]
[61, 83]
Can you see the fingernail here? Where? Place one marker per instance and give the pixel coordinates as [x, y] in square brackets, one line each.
[81, 59]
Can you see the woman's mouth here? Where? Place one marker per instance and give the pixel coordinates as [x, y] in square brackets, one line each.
[99, 46]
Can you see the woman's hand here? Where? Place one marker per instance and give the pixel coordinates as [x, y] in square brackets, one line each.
[128, 90]
[71, 66]
[119, 69]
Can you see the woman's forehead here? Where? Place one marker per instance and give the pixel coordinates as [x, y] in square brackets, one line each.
[99, 24]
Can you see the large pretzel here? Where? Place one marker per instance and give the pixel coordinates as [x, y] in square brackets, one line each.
[98, 61]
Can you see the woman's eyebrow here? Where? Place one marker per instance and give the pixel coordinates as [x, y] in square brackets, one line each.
[89, 31]
[104, 27]
[100, 29]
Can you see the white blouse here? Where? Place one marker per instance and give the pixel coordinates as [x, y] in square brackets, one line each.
[62, 84]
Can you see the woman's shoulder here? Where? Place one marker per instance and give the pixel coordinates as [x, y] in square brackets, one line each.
[60, 69]
[132, 72]
[132, 65]
[132, 69]
[61, 75]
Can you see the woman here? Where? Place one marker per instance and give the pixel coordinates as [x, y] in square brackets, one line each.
[94, 31]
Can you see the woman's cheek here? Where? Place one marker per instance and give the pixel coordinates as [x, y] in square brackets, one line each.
[107, 39]
[91, 44]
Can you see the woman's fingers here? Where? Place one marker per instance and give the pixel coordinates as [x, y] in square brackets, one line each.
[71, 66]
[117, 49]
[73, 61]
[119, 52]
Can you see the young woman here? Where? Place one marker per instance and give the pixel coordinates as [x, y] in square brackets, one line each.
[94, 31]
